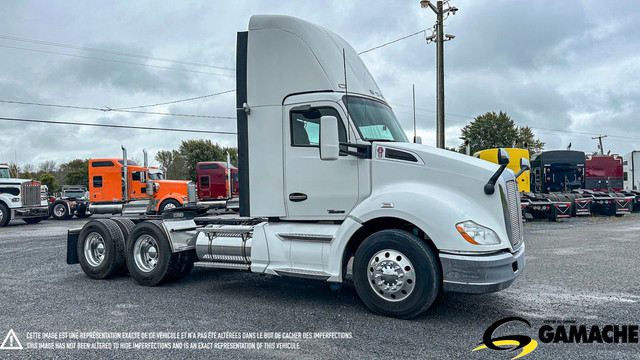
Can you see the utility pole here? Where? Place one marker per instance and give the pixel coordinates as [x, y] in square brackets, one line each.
[439, 40]
[600, 141]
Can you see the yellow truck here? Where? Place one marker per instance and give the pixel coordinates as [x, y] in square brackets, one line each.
[539, 206]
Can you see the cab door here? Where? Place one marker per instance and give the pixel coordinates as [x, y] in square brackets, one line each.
[316, 189]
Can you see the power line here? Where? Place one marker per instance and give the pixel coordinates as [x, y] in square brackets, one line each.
[42, 42]
[393, 41]
[175, 101]
[116, 61]
[117, 126]
[108, 109]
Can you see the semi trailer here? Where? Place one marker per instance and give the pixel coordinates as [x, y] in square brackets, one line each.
[326, 175]
[536, 205]
[604, 177]
[21, 199]
[631, 177]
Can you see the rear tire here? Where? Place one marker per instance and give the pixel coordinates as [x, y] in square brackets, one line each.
[126, 226]
[101, 249]
[396, 274]
[60, 211]
[149, 257]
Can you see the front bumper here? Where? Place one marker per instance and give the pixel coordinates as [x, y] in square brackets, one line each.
[480, 274]
[29, 212]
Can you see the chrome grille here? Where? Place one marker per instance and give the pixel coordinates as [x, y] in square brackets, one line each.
[31, 193]
[513, 199]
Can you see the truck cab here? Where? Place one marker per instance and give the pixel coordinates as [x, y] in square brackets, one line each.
[21, 199]
[604, 173]
[327, 176]
[107, 186]
[216, 180]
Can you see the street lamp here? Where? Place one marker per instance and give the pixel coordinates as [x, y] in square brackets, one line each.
[439, 40]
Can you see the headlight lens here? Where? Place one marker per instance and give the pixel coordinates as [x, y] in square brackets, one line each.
[477, 234]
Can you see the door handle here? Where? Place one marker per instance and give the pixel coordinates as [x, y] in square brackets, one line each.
[297, 197]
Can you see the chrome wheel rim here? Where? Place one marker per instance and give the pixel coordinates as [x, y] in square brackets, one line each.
[94, 249]
[169, 206]
[1, 215]
[145, 253]
[391, 275]
[59, 210]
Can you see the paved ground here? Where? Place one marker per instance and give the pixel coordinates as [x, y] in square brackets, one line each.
[583, 271]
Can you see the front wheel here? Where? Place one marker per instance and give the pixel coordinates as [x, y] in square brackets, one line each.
[33, 220]
[168, 205]
[5, 215]
[396, 274]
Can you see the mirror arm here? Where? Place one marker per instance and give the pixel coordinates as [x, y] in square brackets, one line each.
[522, 169]
[490, 186]
[363, 150]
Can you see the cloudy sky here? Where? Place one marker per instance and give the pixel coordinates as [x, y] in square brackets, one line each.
[568, 69]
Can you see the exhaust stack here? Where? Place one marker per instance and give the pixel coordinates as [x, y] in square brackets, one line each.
[125, 175]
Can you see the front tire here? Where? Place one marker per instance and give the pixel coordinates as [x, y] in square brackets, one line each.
[149, 257]
[101, 249]
[33, 220]
[396, 274]
[169, 204]
[5, 215]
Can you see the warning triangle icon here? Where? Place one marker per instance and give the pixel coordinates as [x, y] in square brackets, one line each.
[11, 342]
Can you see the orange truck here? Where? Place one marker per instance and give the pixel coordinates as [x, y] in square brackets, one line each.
[110, 190]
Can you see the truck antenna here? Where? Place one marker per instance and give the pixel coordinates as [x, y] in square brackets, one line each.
[415, 135]
[346, 93]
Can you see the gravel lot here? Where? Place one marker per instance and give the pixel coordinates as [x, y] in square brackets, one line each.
[582, 270]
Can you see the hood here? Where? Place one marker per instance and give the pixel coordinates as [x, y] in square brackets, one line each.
[434, 159]
[14, 181]
[176, 182]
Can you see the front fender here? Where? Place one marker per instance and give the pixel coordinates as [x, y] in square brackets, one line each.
[176, 196]
[436, 211]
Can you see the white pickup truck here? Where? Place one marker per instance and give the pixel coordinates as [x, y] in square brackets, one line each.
[21, 199]
[326, 176]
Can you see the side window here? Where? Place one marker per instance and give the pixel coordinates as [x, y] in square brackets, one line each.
[135, 176]
[204, 181]
[305, 126]
[626, 177]
[97, 181]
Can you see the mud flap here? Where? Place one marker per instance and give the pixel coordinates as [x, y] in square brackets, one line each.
[72, 246]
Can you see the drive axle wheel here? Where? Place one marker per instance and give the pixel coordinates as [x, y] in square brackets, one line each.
[60, 211]
[396, 274]
[101, 249]
[149, 257]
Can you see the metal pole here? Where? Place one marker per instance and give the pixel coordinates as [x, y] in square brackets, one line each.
[440, 78]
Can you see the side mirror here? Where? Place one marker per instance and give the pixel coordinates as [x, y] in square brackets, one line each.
[417, 140]
[503, 157]
[524, 166]
[329, 141]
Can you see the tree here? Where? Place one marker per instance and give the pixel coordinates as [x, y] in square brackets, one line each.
[492, 130]
[194, 151]
[50, 181]
[14, 170]
[165, 158]
[76, 172]
[47, 167]
[28, 168]
[26, 175]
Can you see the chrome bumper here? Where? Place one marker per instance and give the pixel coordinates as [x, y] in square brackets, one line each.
[480, 274]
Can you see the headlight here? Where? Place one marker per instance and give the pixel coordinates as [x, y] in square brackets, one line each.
[477, 234]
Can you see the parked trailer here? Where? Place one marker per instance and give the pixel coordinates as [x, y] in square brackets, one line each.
[313, 196]
[537, 206]
[604, 177]
[631, 177]
[21, 199]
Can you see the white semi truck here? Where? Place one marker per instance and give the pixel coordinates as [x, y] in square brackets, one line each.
[21, 199]
[327, 175]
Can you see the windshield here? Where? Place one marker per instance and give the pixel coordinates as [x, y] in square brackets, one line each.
[74, 194]
[374, 120]
[156, 176]
[4, 174]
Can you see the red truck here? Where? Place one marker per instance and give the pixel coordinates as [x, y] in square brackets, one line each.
[604, 176]
[213, 181]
